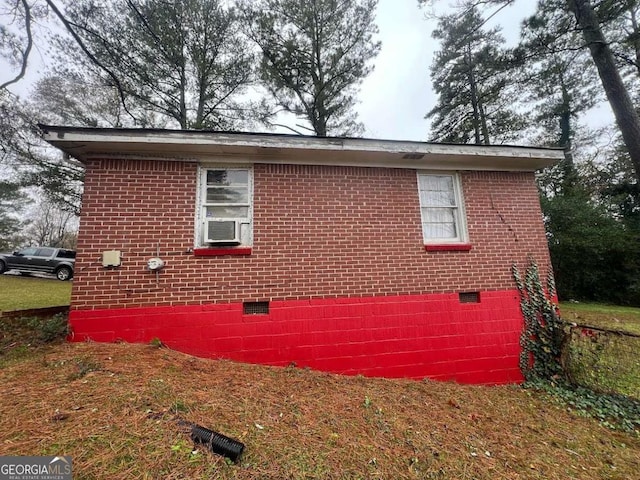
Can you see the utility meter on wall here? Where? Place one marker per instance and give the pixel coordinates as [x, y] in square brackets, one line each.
[155, 264]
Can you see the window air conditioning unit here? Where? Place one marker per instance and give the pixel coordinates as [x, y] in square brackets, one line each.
[222, 231]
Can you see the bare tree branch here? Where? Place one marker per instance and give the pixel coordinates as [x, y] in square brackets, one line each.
[287, 127]
[27, 49]
[91, 57]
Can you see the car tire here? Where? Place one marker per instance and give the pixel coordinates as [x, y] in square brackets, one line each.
[64, 273]
[3, 266]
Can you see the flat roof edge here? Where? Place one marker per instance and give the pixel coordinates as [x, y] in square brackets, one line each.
[82, 142]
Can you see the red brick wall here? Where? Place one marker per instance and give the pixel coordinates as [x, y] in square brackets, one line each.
[318, 232]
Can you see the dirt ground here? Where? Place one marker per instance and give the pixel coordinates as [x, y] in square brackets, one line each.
[117, 410]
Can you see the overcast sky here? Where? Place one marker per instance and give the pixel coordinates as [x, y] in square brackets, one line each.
[396, 96]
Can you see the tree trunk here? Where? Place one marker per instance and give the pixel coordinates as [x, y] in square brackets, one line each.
[483, 124]
[474, 96]
[184, 116]
[635, 37]
[320, 112]
[626, 116]
[570, 178]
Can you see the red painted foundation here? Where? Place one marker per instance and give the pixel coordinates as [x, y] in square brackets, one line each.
[414, 336]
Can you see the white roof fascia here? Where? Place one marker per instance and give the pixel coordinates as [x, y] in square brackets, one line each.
[272, 148]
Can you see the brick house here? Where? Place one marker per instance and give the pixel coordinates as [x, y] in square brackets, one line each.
[384, 258]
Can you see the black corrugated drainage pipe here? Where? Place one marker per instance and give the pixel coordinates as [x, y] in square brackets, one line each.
[218, 443]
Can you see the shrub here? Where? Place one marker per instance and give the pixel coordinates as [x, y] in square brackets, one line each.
[50, 329]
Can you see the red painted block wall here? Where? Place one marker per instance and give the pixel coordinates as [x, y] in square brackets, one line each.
[324, 236]
[414, 336]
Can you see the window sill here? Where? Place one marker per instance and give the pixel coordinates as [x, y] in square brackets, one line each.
[448, 247]
[218, 252]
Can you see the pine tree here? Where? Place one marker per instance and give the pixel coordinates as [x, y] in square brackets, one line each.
[624, 111]
[562, 84]
[315, 53]
[620, 22]
[469, 75]
[186, 61]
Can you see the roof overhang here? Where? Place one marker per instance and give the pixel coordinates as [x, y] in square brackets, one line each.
[196, 145]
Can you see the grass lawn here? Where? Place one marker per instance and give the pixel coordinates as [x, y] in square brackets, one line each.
[607, 362]
[625, 319]
[21, 293]
[116, 409]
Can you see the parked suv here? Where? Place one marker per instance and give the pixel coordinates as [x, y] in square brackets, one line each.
[58, 261]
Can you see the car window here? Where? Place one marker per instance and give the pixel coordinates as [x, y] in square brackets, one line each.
[28, 252]
[45, 252]
[66, 254]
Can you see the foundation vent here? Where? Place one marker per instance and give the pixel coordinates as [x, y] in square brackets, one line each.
[255, 308]
[469, 297]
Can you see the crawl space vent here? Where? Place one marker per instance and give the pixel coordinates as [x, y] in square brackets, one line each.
[255, 308]
[469, 297]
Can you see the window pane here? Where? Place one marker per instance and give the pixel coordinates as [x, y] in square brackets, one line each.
[227, 195]
[440, 230]
[227, 212]
[438, 199]
[440, 223]
[439, 215]
[227, 177]
[436, 182]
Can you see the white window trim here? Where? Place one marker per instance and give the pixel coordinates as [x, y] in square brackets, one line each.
[460, 211]
[201, 195]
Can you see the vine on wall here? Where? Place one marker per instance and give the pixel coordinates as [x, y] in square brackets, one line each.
[541, 361]
[543, 334]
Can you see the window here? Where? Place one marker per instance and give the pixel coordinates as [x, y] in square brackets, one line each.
[442, 208]
[225, 207]
[44, 252]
